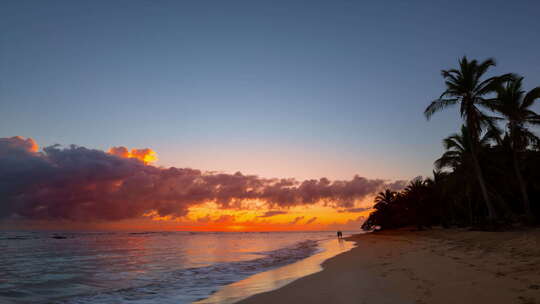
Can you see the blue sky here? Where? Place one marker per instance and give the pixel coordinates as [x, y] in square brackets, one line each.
[276, 88]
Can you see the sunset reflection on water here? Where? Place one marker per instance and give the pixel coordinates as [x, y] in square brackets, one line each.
[133, 267]
[279, 277]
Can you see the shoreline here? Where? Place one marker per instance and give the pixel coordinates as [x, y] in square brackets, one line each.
[276, 278]
[433, 266]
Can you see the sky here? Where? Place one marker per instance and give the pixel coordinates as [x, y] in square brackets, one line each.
[277, 89]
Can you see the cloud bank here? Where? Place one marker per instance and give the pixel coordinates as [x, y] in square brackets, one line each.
[77, 183]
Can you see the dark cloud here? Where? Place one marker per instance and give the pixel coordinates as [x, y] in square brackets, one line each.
[353, 210]
[17, 144]
[76, 183]
[272, 213]
[296, 219]
[311, 220]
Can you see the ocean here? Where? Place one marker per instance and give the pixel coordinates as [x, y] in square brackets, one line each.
[155, 267]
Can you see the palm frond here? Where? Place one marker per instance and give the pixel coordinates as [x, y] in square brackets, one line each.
[493, 134]
[530, 97]
[530, 137]
[446, 161]
[438, 105]
[492, 84]
[453, 142]
[484, 66]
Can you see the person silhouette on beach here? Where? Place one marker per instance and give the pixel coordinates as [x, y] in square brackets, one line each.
[339, 234]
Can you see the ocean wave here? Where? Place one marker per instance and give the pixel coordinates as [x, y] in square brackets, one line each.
[192, 284]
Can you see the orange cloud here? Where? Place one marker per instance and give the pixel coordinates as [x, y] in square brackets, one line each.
[145, 155]
[20, 143]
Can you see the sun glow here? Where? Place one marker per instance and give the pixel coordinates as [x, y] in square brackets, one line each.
[210, 217]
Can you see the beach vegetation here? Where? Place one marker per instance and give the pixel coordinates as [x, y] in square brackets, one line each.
[489, 173]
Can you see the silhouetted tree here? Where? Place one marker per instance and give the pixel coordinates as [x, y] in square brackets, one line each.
[385, 197]
[515, 106]
[471, 182]
[464, 86]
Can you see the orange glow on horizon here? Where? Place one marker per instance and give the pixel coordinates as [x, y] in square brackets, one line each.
[209, 217]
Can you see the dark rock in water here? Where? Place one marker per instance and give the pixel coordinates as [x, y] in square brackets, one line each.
[60, 237]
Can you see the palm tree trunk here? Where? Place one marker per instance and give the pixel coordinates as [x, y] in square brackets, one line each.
[492, 215]
[523, 189]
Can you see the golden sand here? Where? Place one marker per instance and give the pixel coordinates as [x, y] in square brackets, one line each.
[434, 266]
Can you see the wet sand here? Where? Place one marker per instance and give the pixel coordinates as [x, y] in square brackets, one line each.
[278, 277]
[435, 266]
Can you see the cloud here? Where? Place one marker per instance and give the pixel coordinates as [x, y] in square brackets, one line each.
[272, 213]
[145, 155]
[397, 185]
[311, 220]
[353, 210]
[17, 144]
[77, 183]
[296, 220]
[226, 218]
[120, 151]
[204, 219]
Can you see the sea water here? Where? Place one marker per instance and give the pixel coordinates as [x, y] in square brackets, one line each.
[142, 267]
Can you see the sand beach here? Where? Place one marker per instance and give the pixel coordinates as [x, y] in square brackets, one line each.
[433, 266]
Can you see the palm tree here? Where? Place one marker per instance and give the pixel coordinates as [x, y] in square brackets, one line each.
[383, 214]
[438, 178]
[459, 158]
[417, 201]
[384, 198]
[459, 150]
[415, 185]
[514, 105]
[464, 86]
[437, 186]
